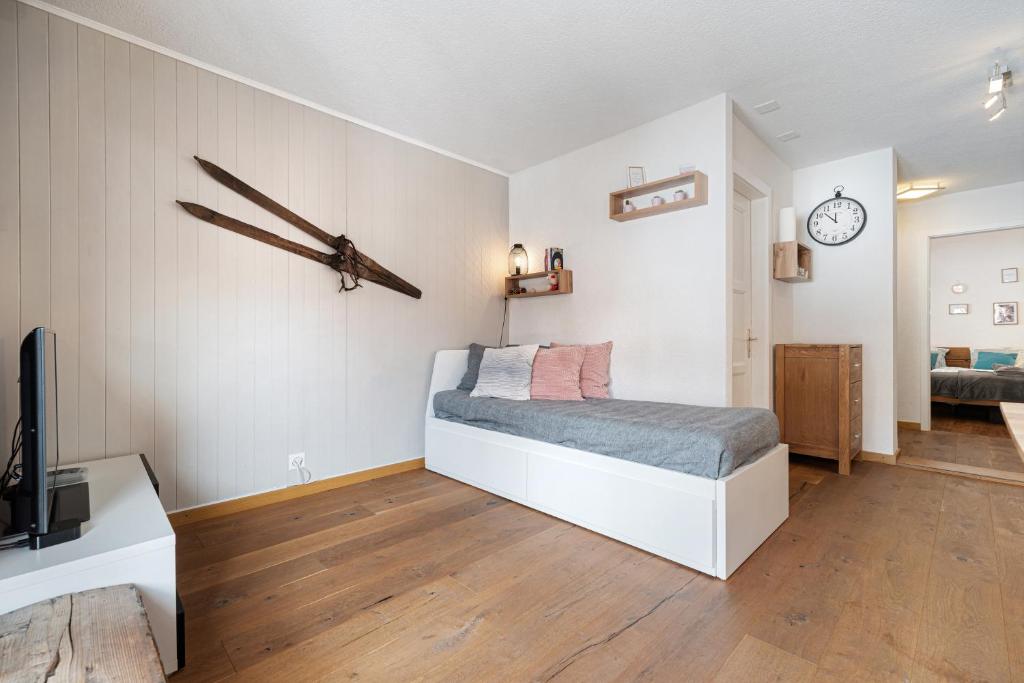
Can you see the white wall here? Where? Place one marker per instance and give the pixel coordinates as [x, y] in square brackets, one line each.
[975, 260]
[655, 286]
[851, 296]
[1001, 206]
[213, 354]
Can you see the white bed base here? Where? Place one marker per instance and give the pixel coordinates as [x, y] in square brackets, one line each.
[707, 524]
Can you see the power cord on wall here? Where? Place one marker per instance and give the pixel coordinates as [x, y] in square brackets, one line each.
[12, 471]
[305, 475]
[504, 320]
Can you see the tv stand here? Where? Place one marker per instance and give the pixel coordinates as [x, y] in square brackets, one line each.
[128, 540]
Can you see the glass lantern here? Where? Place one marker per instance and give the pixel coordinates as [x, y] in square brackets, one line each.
[518, 261]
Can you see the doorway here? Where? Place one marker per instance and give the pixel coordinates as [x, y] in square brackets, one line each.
[750, 293]
[974, 282]
[742, 324]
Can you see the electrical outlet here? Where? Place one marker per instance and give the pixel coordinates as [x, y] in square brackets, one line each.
[296, 460]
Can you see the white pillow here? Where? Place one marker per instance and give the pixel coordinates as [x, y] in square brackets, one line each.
[506, 373]
[940, 359]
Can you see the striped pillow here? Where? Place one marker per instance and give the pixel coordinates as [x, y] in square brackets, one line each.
[556, 374]
[595, 375]
[506, 373]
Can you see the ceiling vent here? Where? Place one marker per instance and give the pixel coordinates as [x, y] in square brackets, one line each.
[766, 107]
[787, 136]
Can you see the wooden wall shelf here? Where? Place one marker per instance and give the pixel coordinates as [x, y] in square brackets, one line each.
[699, 197]
[564, 283]
[790, 257]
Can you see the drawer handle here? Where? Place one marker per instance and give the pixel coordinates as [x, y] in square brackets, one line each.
[856, 400]
[856, 365]
[857, 435]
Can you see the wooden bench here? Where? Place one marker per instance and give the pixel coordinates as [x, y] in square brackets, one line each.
[97, 635]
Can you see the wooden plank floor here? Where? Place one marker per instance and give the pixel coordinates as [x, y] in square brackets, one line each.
[967, 419]
[963, 448]
[888, 574]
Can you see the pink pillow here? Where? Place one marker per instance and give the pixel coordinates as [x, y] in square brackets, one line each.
[595, 375]
[556, 374]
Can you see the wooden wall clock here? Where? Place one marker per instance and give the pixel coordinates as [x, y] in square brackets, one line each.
[837, 220]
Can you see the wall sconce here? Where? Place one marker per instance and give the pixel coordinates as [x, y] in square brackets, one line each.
[518, 261]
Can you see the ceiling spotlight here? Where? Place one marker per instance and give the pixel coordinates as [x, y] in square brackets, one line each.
[999, 79]
[918, 191]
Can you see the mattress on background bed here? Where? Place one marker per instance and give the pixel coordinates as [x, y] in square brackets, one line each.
[707, 442]
[978, 385]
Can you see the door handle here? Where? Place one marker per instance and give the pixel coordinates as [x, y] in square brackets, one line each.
[749, 339]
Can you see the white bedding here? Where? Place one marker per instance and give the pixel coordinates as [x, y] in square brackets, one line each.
[955, 370]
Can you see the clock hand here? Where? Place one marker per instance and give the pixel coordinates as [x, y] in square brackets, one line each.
[830, 217]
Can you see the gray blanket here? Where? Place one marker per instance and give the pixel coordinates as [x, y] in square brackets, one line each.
[945, 383]
[707, 442]
[973, 385]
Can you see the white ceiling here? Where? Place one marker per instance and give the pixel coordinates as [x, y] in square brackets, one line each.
[510, 83]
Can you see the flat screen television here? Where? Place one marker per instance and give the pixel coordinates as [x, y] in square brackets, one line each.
[47, 506]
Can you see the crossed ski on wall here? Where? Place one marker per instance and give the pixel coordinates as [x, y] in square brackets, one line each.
[346, 259]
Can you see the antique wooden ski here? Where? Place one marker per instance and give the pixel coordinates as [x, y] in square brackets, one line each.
[346, 259]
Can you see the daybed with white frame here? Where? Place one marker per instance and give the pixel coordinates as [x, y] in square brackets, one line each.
[711, 525]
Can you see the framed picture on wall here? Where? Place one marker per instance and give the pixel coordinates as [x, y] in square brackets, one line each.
[1004, 313]
[1008, 275]
[637, 176]
[959, 309]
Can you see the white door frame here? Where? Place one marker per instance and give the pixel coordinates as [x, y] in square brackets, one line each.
[761, 238]
[924, 361]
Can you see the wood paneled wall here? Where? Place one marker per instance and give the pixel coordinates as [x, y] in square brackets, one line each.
[213, 354]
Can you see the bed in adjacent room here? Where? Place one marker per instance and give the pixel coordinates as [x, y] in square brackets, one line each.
[960, 380]
[701, 486]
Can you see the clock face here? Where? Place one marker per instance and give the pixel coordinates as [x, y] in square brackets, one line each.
[836, 221]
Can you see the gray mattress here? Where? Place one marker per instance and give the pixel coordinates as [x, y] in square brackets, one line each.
[707, 442]
[975, 385]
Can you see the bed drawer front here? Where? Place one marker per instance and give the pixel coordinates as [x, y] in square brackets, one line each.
[492, 466]
[642, 513]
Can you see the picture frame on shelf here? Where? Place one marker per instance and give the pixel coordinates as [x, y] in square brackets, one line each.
[959, 309]
[636, 176]
[556, 258]
[1004, 313]
[1008, 276]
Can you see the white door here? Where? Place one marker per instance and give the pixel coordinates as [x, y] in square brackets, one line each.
[742, 337]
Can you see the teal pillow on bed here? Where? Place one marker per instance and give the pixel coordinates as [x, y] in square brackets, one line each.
[986, 359]
[935, 358]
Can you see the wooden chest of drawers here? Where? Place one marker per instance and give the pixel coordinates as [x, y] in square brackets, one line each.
[818, 399]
